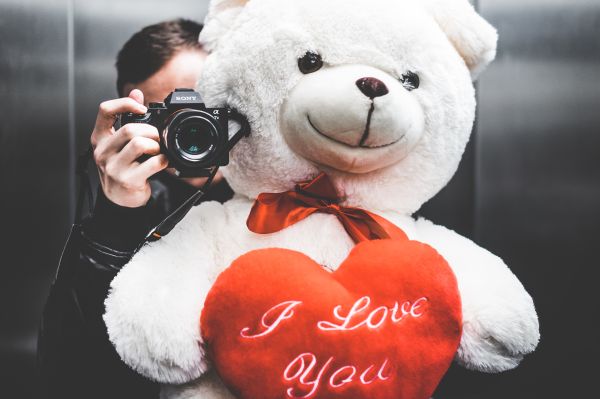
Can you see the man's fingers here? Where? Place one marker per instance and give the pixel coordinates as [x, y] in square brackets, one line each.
[109, 110]
[137, 147]
[150, 167]
[125, 134]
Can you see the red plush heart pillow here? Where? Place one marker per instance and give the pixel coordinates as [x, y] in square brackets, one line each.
[386, 324]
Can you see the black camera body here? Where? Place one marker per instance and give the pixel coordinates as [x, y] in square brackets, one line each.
[194, 138]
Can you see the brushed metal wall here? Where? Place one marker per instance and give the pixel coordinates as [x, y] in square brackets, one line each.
[537, 187]
[56, 65]
[35, 198]
[528, 188]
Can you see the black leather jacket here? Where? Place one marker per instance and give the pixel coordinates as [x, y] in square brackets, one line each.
[75, 357]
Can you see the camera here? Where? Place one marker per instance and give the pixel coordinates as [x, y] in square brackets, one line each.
[194, 138]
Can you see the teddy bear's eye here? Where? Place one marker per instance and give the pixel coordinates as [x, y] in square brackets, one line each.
[410, 80]
[310, 62]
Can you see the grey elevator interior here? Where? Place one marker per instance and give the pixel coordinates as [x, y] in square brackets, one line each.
[528, 188]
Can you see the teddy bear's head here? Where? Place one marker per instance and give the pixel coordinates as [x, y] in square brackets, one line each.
[377, 93]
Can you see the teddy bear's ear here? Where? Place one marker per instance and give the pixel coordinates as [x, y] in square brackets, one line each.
[221, 16]
[472, 36]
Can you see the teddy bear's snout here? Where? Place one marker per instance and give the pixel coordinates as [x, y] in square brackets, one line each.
[372, 87]
[354, 118]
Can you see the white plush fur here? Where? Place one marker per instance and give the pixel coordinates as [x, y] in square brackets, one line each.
[152, 312]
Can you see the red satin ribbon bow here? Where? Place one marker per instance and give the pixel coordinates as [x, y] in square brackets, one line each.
[273, 212]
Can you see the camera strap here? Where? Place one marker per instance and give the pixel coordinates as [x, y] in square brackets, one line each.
[168, 223]
[244, 128]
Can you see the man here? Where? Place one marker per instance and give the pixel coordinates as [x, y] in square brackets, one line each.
[74, 355]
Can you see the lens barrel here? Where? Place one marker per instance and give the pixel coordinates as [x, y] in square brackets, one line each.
[193, 138]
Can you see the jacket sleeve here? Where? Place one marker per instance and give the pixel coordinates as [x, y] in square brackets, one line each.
[75, 357]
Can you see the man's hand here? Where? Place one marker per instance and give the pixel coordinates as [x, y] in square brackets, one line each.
[124, 180]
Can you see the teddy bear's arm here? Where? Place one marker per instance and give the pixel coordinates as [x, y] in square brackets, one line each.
[153, 308]
[500, 323]
[209, 386]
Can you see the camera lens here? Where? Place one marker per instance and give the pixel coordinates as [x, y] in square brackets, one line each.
[195, 138]
[193, 141]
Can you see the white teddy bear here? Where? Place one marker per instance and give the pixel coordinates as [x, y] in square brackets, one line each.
[377, 94]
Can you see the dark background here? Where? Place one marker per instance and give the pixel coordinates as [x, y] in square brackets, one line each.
[528, 188]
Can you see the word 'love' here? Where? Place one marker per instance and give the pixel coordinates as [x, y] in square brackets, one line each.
[358, 316]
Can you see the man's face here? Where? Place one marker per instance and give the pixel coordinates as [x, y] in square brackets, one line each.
[182, 71]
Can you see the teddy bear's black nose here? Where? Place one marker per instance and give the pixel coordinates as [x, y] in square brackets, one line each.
[372, 87]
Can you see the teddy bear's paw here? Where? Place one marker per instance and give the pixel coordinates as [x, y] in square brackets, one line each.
[154, 351]
[209, 386]
[499, 338]
[152, 319]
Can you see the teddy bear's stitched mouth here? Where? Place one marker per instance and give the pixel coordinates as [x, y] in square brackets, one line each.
[352, 146]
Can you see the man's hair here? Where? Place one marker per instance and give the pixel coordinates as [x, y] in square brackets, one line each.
[151, 48]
